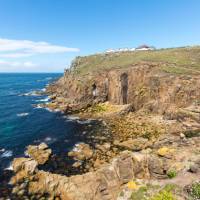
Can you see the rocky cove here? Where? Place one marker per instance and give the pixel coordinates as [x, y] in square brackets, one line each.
[145, 142]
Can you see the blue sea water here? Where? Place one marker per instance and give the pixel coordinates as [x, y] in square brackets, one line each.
[21, 123]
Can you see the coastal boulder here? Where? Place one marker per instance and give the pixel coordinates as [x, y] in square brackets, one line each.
[40, 153]
[24, 168]
[27, 164]
[81, 151]
[133, 144]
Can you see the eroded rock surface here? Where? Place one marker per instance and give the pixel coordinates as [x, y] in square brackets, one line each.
[110, 179]
[39, 153]
[81, 152]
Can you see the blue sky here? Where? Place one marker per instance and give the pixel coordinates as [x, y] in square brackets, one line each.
[45, 35]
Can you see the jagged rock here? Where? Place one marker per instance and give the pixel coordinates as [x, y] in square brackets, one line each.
[104, 147]
[24, 168]
[109, 178]
[81, 151]
[158, 167]
[133, 144]
[77, 164]
[27, 164]
[194, 168]
[97, 163]
[101, 184]
[40, 153]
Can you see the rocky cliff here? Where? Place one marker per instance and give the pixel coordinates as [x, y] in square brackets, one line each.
[149, 103]
[156, 84]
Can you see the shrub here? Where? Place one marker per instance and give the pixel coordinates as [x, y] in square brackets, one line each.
[140, 194]
[171, 173]
[163, 195]
[195, 190]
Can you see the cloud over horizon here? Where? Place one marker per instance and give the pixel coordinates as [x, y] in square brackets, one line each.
[25, 48]
[15, 56]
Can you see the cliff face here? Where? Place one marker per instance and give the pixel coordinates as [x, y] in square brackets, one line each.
[155, 86]
[163, 88]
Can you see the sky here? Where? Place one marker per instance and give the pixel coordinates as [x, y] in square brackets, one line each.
[46, 35]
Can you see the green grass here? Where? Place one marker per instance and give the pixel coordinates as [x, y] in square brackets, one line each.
[140, 194]
[195, 190]
[154, 192]
[171, 174]
[192, 133]
[165, 194]
[176, 60]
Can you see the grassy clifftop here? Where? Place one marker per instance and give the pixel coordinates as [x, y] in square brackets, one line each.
[185, 60]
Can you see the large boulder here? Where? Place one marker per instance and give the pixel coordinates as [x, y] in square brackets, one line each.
[24, 168]
[40, 153]
[81, 151]
[105, 183]
[158, 167]
[133, 144]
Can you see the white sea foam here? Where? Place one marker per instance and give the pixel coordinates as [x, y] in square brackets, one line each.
[71, 117]
[6, 154]
[76, 147]
[10, 168]
[49, 140]
[52, 110]
[2, 150]
[22, 114]
[31, 93]
[38, 106]
[84, 121]
[48, 109]
[43, 100]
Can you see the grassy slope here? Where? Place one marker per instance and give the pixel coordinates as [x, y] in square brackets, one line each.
[179, 60]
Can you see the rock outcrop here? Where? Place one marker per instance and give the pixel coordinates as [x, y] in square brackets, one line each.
[145, 87]
[151, 110]
[81, 152]
[106, 182]
[39, 153]
[102, 184]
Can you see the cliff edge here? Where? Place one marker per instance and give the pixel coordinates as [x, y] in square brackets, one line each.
[149, 102]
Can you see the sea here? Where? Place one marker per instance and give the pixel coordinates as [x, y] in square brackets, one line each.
[24, 122]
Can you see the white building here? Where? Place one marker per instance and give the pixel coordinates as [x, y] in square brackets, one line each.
[140, 48]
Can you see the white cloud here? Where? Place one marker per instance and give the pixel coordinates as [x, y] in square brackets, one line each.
[8, 66]
[24, 48]
[15, 55]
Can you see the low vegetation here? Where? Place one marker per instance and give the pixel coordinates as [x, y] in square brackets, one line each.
[195, 190]
[154, 192]
[184, 60]
[171, 173]
[134, 126]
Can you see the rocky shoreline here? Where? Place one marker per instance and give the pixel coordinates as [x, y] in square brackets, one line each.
[163, 164]
[146, 144]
